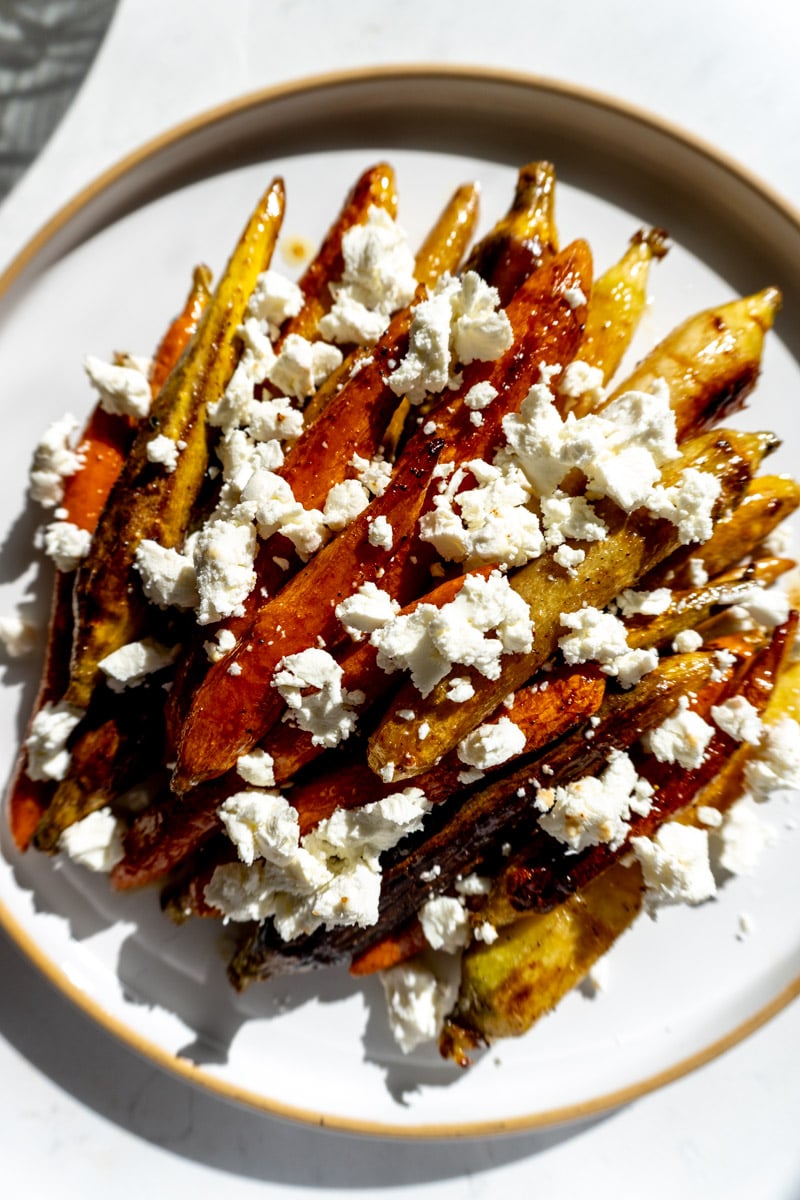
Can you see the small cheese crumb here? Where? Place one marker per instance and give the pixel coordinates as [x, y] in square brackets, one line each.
[46, 744]
[123, 391]
[66, 544]
[682, 738]
[95, 841]
[163, 450]
[131, 664]
[445, 923]
[675, 866]
[491, 744]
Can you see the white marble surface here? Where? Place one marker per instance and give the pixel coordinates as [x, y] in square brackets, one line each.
[81, 1115]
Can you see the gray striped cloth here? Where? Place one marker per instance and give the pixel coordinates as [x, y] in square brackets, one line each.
[46, 48]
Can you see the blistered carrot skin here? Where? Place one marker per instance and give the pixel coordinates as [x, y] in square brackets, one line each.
[524, 238]
[149, 502]
[377, 187]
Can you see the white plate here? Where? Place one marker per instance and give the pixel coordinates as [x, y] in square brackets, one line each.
[106, 274]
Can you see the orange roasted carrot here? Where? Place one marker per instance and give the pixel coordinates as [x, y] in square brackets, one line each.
[393, 948]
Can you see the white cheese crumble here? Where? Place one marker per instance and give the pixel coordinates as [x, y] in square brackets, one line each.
[330, 877]
[256, 768]
[164, 450]
[776, 763]
[54, 460]
[599, 636]
[310, 683]
[675, 866]
[378, 279]
[419, 995]
[123, 390]
[682, 738]
[168, 576]
[458, 323]
[66, 544]
[132, 663]
[301, 366]
[487, 523]
[687, 641]
[632, 603]
[445, 923]
[95, 841]
[484, 621]
[481, 395]
[344, 502]
[581, 379]
[274, 298]
[375, 473]
[381, 534]
[46, 744]
[369, 608]
[491, 744]
[223, 555]
[596, 809]
[743, 839]
[460, 689]
[738, 718]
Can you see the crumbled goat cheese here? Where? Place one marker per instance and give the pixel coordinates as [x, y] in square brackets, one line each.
[124, 391]
[377, 280]
[738, 718]
[164, 450]
[570, 517]
[460, 689]
[481, 395]
[569, 558]
[682, 738]
[381, 534]
[54, 459]
[743, 839]
[223, 554]
[224, 642]
[330, 877]
[256, 768]
[19, 636]
[95, 841]
[574, 296]
[273, 299]
[486, 523]
[310, 683]
[632, 603]
[268, 499]
[687, 641]
[46, 744]
[581, 379]
[486, 933]
[710, 817]
[301, 366]
[776, 763]
[599, 636]
[698, 575]
[445, 923]
[459, 322]
[168, 577]
[366, 610]
[131, 664]
[491, 744]
[597, 808]
[621, 451]
[675, 866]
[344, 502]
[484, 621]
[419, 995]
[374, 473]
[688, 504]
[66, 544]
